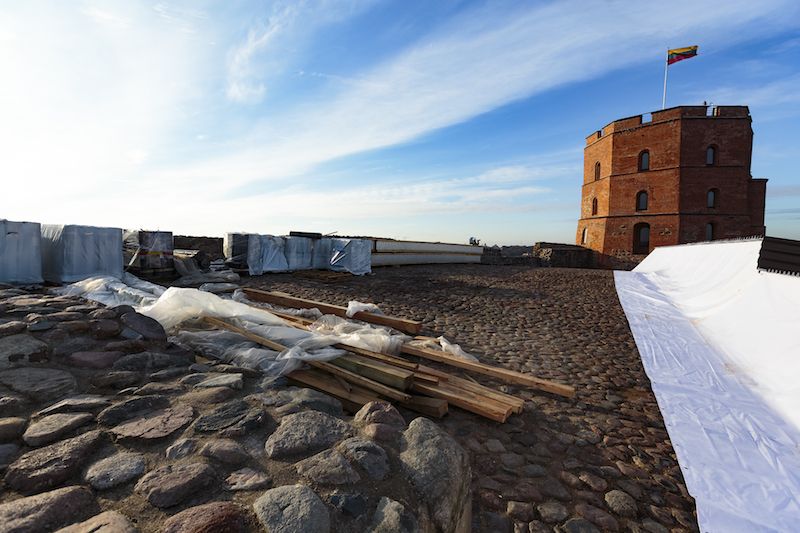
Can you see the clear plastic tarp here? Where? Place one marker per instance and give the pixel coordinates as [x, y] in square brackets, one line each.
[322, 253]
[111, 291]
[351, 255]
[148, 249]
[718, 340]
[20, 252]
[72, 253]
[298, 251]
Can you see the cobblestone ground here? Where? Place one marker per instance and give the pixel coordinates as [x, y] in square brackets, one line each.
[602, 461]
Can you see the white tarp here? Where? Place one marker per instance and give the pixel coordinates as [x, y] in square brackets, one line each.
[298, 251]
[719, 341]
[20, 252]
[321, 254]
[351, 255]
[266, 253]
[72, 253]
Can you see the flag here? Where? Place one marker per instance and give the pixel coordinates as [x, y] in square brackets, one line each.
[679, 54]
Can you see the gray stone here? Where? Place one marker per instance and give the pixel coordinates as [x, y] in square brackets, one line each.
[40, 384]
[305, 433]
[496, 523]
[20, 346]
[534, 471]
[11, 428]
[512, 460]
[105, 329]
[116, 380]
[439, 470]
[103, 314]
[552, 511]
[327, 468]
[172, 484]
[214, 517]
[596, 483]
[521, 511]
[366, 454]
[597, 516]
[223, 416]
[295, 399]
[41, 325]
[65, 316]
[48, 511]
[115, 470]
[167, 373]
[107, 522]
[73, 343]
[47, 467]
[150, 361]
[579, 525]
[233, 381]
[621, 503]
[87, 403]
[247, 479]
[53, 427]
[182, 448]
[379, 412]
[494, 446]
[352, 504]
[290, 509]
[131, 408]
[95, 359]
[392, 517]
[225, 451]
[193, 379]
[12, 328]
[552, 487]
[158, 388]
[652, 526]
[155, 425]
[254, 419]
[147, 327]
[8, 452]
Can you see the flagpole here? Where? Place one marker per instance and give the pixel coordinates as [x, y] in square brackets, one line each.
[666, 69]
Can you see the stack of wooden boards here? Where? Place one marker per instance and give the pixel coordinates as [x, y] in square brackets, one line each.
[363, 376]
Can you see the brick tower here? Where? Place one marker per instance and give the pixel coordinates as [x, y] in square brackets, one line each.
[684, 176]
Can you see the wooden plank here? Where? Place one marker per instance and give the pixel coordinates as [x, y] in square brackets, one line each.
[361, 381]
[286, 300]
[435, 407]
[425, 378]
[466, 400]
[397, 378]
[353, 399]
[515, 403]
[503, 374]
[258, 339]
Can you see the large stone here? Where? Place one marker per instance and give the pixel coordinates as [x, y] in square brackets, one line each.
[392, 517]
[131, 408]
[246, 479]
[327, 468]
[292, 508]
[12, 328]
[20, 346]
[223, 416]
[94, 359]
[225, 451]
[147, 327]
[105, 329]
[11, 428]
[115, 470]
[366, 454]
[52, 465]
[439, 470]
[48, 511]
[233, 381]
[8, 452]
[108, 522]
[170, 485]
[150, 361]
[579, 525]
[621, 503]
[116, 380]
[53, 427]
[552, 511]
[215, 517]
[155, 425]
[40, 384]
[296, 399]
[597, 516]
[379, 412]
[86, 403]
[305, 433]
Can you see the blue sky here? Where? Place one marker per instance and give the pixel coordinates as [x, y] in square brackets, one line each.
[408, 119]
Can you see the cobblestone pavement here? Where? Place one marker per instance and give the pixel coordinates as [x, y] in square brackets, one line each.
[602, 461]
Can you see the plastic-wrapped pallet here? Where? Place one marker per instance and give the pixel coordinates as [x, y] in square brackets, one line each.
[234, 247]
[352, 255]
[321, 255]
[265, 253]
[72, 253]
[20, 252]
[148, 250]
[298, 252]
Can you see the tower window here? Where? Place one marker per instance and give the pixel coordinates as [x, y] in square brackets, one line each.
[644, 160]
[711, 155]
[712, 197]
[709, 231]
[641, 201]
[583, 236]
[597, 171]
[594, 206]
[641, 238]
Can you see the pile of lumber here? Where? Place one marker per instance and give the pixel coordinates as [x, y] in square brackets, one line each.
[362, 376]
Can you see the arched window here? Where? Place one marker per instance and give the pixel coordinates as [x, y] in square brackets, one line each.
[594, 206]
[711, 155]
[597, 171]
[712, 197]
[583, 236]
[644, 160]
[641, 238]
[641, 201]
[709, 231]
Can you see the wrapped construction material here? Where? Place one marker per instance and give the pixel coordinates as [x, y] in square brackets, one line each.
[322, 253]
[257, 253]
[234, 246]
[298, 252]
[20, 252]
[148, 250]
[352, 255]
[72, 253]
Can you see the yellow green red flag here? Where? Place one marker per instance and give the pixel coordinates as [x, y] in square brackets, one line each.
[679, 54]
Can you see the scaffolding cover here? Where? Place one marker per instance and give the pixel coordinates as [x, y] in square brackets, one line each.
[20, 252]
[72, 253]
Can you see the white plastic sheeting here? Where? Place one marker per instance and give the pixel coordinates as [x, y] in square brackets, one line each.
[72, 253]
[20, 252]
[266, 253]
[298, 251]
[111, 291]
[719, 341]
[351, 255]
[322, 253]
[354, 306]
